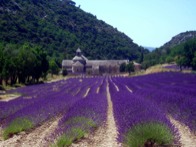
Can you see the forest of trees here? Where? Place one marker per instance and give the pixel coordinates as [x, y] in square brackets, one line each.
[183, 54]
[60, 27]
[22, 63]
[36, 35]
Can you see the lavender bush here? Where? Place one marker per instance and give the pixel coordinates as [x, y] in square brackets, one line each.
[132, 110]
[85, 115]
[46, 104]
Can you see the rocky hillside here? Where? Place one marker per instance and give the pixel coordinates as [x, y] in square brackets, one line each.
[59, 27]
[180, 38]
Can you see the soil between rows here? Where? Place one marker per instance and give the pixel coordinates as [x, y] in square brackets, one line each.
[104, 136]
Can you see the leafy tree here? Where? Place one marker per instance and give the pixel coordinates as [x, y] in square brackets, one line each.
[41, 64]
[181, 61]
[130, 67]
[53, 67]
[10, 66]
[123, 67]
[1, 63]
[65, 72]
[193, 63]
[25, 63]
[187, 52]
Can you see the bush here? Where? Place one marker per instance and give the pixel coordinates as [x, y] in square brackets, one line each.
[123, 67]
[63, 141]
[16, 126]
[65, 72]
[148, 133]
[77, 127]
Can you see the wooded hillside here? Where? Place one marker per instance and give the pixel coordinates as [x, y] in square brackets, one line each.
[181, 49]
[60, 27]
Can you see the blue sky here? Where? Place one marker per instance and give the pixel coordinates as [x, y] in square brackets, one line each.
[148, 22]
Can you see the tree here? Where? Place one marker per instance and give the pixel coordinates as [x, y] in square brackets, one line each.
[123, 67]
[181, 61]
[130, 67]
[42, 64]
[187, 52]
[65, 72]
[194, 62]
[1, 63]
[53, 67]
[33, 63]
[10, 64]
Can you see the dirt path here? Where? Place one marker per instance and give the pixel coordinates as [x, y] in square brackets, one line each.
[86, 94]
[117, 89]
[128, 89]
[105, 136]
[187, 139]
[35, 138]
[8, 97]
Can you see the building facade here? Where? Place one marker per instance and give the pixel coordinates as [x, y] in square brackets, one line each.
[81, 65]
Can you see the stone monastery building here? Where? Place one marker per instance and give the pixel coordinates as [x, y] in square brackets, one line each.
[81, 65]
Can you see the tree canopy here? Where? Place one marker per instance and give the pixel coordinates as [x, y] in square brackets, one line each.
[183, 54]
[23, 63]
[59, 28]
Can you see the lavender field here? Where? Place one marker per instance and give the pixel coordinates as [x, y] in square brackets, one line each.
[102, 111]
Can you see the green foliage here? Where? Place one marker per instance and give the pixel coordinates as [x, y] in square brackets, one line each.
[53, 67]
[194, 62]
[78, 127]
[63, 141]
[130, 67]
[66, 140]
[60, 28]
[148, 132]
[65, 72]
[16, 126]
[25, 63]
[86, 122]
[123, 67]
[183, 54]
[186, 54]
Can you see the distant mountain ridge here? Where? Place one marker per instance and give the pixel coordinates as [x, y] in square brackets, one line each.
[149, 48]
[180, 38]
[60, 28]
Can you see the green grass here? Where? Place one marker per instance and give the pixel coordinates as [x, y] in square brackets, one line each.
[79, 126]
[82, 121]
[16, 126]
[155, 133]
[63, 141]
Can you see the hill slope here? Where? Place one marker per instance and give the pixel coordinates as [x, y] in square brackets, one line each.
[181, 49]
[60, 28]
[180, 38]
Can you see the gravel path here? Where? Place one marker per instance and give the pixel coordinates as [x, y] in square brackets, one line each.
[34, 138]
[104, 136]
[187, 139]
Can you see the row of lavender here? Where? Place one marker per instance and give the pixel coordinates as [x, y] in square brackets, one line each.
[42, 102]
[151, 98]
[173, 92]
[84, 116]
[138, 120]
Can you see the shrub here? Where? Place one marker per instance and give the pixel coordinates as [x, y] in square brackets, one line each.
[148, 133]
[63, 141]
[16, 126]
[64, 72]
[76, 128]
